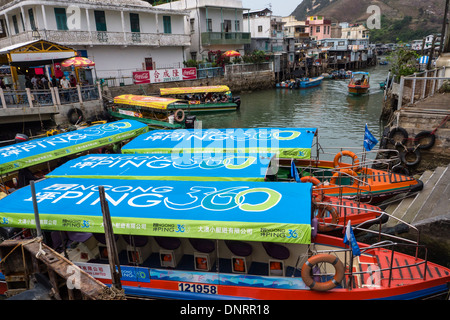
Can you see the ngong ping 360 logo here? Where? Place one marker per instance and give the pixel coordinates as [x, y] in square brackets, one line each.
[208, 198]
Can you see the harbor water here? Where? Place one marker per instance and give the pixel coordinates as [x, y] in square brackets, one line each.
[339, 117]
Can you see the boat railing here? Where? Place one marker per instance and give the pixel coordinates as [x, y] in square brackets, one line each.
[366, 159]
[394, 247]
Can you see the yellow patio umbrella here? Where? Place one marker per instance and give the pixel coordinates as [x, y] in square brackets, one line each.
[78, 62]
[231, 53]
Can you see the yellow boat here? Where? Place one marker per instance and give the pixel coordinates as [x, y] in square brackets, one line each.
[156, 112]
[204, 99]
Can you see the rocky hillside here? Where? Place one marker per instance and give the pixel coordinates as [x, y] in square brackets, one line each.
[418, 16]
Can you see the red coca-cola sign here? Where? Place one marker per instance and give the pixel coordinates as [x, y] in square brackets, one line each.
[189, 73]
[141, 77]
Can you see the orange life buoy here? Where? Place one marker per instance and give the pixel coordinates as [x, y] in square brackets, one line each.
[311, 179]
[350, 154]
[321, 216]
[179, 115]
[322, 258]
[344, 171]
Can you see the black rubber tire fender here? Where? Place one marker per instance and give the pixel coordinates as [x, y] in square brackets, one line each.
[425, 135]
[396, 131]
[71, 115]
[406, 155]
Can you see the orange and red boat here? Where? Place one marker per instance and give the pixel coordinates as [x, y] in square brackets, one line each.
[359, 83]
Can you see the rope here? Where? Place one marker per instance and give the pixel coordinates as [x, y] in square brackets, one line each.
[441, 124]
[22, 244]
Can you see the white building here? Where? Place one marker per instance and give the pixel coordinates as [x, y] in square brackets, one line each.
[120, 36]
[214, 25]
[351, 31]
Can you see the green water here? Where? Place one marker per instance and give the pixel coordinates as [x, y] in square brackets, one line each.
[339, 117]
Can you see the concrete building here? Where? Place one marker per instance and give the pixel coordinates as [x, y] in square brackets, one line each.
[319, 27]
[213, 25]
[354, 31]
[267, 31]
[120, 36]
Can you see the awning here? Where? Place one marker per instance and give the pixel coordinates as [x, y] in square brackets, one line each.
[285, 142]
[37, 52]
[145, 101]
[26, 154]
[235, 210]
[194, 167]
[191, 90]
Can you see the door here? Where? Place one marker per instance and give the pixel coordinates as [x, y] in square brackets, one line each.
[135, 27]
[61, 19]
[148, 63]
[100, 23]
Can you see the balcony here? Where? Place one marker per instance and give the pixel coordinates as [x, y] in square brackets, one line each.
[74, 38]
[232, 38]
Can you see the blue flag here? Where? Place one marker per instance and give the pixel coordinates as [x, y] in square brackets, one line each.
[294, 172]
[369, 140]
[350, 240]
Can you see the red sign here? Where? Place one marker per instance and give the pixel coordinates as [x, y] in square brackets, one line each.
[189, 73]
[141, 77]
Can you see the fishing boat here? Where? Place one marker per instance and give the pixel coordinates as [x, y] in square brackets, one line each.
[353, 180]
[30, 160]
[156, 112]
[305, 83]
[359, 83]
[218, 240]
[204, 99]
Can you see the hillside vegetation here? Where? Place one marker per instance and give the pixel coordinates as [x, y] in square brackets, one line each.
[401, 20]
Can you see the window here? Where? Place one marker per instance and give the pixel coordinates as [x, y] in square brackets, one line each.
[341, 43]
[259, 28]
[318, 29]
[237, 26]
[192, 24]
[32, 21]
[61, 19]
[226, 26]
[328, 30]
[23, 22]
[209, 25]
[167, 24]
[16, 26]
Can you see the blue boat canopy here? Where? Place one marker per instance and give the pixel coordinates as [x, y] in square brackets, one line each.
[361, 72]
[167, 167]
[285, 142]
[25, 154]
[234, 210]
